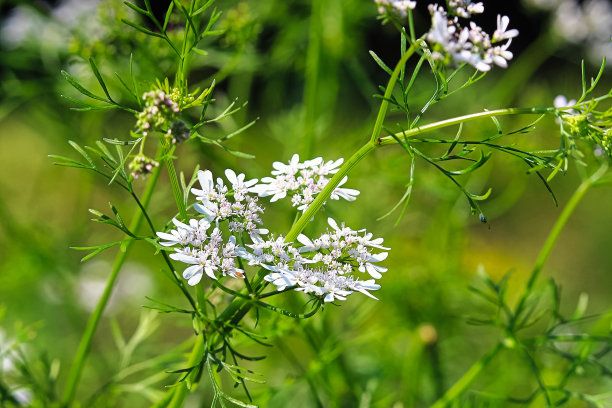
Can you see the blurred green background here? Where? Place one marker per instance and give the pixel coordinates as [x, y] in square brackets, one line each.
[304, 68]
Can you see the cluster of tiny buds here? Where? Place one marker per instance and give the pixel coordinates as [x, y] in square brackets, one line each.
[159, 111]
[581, 123]
[303, 181]
[453, 43]
[397, 7]
[141, 165]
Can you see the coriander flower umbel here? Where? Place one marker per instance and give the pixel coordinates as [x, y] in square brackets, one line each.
[452, 42]
[329, 266]
[215, 252]
[205, 252]
[243, 212]
[303, 181]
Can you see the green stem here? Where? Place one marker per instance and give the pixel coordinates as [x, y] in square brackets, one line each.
[176, 189]
[81, 354]
[181, 390]
[311, 76]
[324, 195]
[467, 379]
[382, 112]
[538, 110]
[553, 236]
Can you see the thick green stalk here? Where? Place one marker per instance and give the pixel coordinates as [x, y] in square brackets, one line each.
[467, 379]
[81, 354]
[323, 196]
[181, 390]
[553, 236]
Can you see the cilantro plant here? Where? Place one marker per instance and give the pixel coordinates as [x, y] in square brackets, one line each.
[232, 268]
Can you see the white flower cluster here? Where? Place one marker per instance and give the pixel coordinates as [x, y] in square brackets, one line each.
[397, 7]
[303, 181]
[472, 45]
[210, 252]
[323, 267]
[243, 213]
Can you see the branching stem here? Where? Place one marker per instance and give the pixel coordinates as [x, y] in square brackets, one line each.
[76, 368]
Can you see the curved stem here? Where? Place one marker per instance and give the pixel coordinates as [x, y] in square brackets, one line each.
[467, 379]
[177, 279]
[553, 236]
[324, 195]
[382, 112]
[81, 354]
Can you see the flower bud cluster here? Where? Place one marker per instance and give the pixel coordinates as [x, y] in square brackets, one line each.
[160, 110]
[583, 121]
[141, 165]
[303, 181]
[229, 228]
[454, 43]
[398, 8]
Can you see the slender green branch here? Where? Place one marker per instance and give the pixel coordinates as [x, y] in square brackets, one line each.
[311, 76]
[76, 369]
[467, 379]
[538, 110]
[382, 112]
[553, 236]
[177, 279]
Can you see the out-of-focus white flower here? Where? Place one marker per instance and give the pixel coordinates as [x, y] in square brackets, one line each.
[562, 102]
[586, 23]
[134, 283]
[465, 8]
[396, 7]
